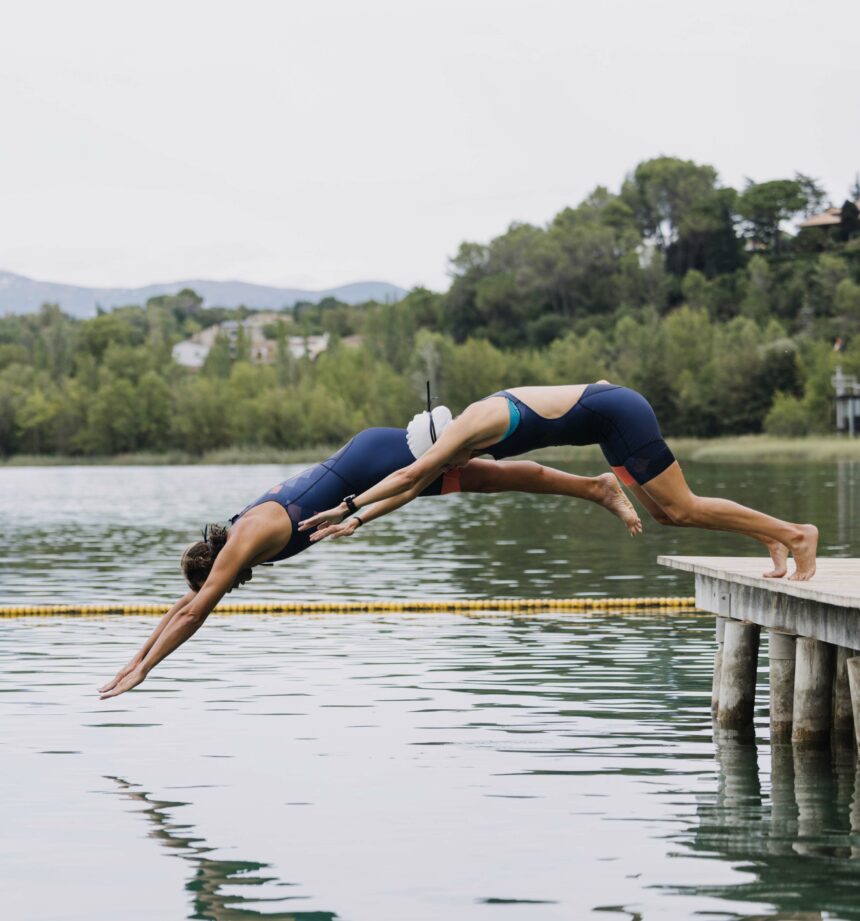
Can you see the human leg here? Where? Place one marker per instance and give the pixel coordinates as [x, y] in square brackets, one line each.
[527, 476]
[778, 551]
[670, 491]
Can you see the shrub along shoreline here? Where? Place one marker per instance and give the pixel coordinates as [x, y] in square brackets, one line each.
[744, 449]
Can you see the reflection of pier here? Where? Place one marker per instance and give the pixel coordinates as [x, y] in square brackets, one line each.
[810, 807]
[211, 877]
[814, 630]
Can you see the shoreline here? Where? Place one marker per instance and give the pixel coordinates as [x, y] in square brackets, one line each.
[742, 449]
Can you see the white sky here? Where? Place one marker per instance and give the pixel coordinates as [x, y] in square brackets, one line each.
[320, 142]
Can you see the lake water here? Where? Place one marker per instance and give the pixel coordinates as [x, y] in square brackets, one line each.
[405, 766]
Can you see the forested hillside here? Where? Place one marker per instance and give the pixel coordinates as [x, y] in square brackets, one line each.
[692, 292]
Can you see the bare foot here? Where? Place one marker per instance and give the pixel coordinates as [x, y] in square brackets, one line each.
[779, 555]
[803, 551]
[613, 499]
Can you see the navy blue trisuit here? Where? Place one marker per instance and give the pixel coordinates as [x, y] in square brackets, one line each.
[362, 462]
[618, 419]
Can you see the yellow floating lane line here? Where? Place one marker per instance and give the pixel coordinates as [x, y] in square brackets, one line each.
[371, 606]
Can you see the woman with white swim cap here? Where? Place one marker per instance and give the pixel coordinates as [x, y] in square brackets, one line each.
[622, 422]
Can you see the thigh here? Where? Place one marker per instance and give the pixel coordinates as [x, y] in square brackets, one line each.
[479, 475]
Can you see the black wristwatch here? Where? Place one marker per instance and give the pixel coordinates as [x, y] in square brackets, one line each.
[350, 503]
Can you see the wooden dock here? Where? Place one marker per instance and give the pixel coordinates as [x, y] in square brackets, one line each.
[813, 641]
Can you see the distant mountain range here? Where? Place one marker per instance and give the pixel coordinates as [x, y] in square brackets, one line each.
[25, 295]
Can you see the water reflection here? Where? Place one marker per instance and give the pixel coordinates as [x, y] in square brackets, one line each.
[221, 890]
[804, 803]
[847, 500]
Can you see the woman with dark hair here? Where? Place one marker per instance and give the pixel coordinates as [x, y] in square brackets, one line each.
[622, 422]
[267, 530]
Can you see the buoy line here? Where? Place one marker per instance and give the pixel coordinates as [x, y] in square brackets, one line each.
[370, 606]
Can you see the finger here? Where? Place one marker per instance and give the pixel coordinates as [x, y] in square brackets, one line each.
[312, 522]
[113, 682]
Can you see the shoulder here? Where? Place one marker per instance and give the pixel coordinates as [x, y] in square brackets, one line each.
[481, 420]
[488, 408]
[264, 530]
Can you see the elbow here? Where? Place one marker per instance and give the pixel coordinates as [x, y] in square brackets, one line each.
[194, 617]
[408, 480]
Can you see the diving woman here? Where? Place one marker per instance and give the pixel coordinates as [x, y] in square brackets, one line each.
[621, 421]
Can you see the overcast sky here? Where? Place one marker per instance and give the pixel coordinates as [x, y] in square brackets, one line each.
[319, 142]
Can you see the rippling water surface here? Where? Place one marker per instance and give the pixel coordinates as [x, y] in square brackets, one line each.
[93, 534]
[402, 767]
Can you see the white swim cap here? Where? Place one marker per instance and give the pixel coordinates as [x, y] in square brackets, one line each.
[418, 435]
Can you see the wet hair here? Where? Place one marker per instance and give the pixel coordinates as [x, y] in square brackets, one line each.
[199, 557]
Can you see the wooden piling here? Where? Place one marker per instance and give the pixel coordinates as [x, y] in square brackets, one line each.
[781, 652]
[738, 676]
[813, 693]
[718, 666]
[853, 669]
[854, 812]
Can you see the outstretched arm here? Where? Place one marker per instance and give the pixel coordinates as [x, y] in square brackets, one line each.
[141, 653]
[185, 619]
[480, 424]
[368, 514]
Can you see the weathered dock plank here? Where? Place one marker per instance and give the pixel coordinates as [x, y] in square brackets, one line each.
[826, 608]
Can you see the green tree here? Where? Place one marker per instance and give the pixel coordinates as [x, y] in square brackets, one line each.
[813, 193]
[787, 417]
[35, 415]
[765, 205]
[218, 361]
[663, 194]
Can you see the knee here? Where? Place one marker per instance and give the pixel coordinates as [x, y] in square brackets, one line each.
[536, 471]
[683, 514]
[662, 518]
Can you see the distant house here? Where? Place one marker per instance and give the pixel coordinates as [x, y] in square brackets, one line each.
[832, 217]
[191, 353]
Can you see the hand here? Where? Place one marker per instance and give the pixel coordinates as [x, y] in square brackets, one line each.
[334, 531]
[120, 675]
[131, 680]
[332, 516]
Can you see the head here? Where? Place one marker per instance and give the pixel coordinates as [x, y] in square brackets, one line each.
[199, 557]
[425, 429]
